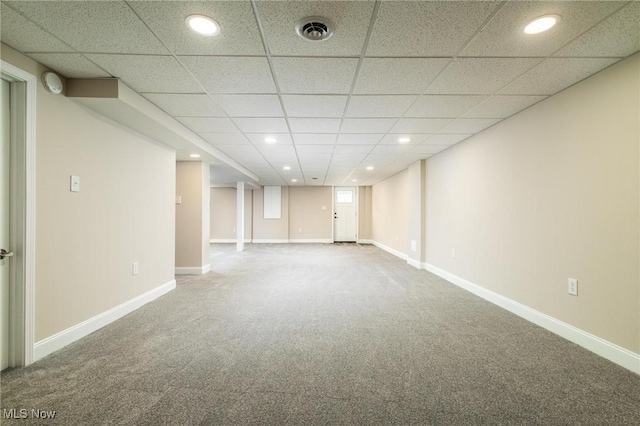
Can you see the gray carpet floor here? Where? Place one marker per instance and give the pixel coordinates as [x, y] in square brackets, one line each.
[322, 334]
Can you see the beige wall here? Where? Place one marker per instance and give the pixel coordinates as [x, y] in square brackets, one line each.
[307, 219]
[224, 205]
[192, 214]
[364, 212]
[86, 242]
[270, 229]
[549, 194]
[390, 213]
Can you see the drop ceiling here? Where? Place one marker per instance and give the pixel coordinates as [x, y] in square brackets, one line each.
[436, 72]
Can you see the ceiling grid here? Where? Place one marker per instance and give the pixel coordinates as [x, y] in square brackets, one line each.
[432, 71]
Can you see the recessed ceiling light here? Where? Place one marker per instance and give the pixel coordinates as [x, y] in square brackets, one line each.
[270, 140]
[354, 180]
[404, 140]
[203, 25]
[369, 167]
[194, 155]
[287, 168]
[294, 180]
[541, 24]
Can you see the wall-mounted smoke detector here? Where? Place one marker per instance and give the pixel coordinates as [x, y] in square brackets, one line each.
[314, 28]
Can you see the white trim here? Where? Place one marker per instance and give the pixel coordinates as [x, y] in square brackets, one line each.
[311, 241]
[365, 241]
[390, 250]
[604, 348]
[227, 240]
[78, 331]
[22, 321]
[269, 241]
[193, 270]
[414, 263]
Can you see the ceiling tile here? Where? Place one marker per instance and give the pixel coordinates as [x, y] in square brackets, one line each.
[145, 73]
[397, 76]
[25, 36]
[392, 139]
[250, 105]
[555, 74]
[93, 26]
[378, 106]
[505, 36]
[351, 20]
[359, 139]
[303, 150]
[617, 36]
[262, 125]
[225, 138]
[391, 149]
[430, 149]
[348, 160]
[443, 106]
[314, 105]
[353, 149]
[239, 35]
[480, 75]
[208, 125]
[314, 125]
[278, 154]
[445, 139]
[315, 75]
[367, 125]
[420, 125]
[259, 138]
[225, 74]
[186, 105]
[426, 28]
[314, 139]
[469, 125]
[70, 65]
[502, 106]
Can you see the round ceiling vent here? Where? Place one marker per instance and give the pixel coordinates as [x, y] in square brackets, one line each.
[314, 28]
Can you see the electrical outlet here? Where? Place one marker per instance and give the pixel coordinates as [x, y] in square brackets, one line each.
[573, 286]
[136, 268]
[453, 253]
[414, 245]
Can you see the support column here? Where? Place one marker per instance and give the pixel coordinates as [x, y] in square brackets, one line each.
[240, 217]
[192, 218]
[417, 228]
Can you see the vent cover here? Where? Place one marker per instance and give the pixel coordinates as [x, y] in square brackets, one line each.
[314, 28]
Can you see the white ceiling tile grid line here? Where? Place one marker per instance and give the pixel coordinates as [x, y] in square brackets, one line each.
[451, 109]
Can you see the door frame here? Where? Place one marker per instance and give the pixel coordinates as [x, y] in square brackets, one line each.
[333, 209]
[22, 225]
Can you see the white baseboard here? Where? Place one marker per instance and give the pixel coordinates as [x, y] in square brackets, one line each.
[390, 250]
[193, 270]
[595, 344]
[414, 263]
[311, 241]
[268, 241]
[365, 241]
[78, 331]
[226, 240]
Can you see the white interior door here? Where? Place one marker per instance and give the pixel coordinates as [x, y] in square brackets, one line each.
[345, 214]
[5, 144]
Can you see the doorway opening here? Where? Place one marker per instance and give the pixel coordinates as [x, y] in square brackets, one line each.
[17, 215]
[345, 214]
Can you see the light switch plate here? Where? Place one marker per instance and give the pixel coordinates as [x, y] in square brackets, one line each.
[75, 183]
[178, 199]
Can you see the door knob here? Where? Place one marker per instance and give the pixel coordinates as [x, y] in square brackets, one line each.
[4, 253]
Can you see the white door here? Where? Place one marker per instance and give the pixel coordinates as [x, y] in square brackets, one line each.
[345, 214]
[5, 143]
